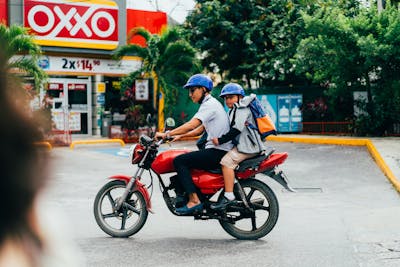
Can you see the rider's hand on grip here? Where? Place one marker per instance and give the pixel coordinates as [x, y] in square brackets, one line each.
[160, 135]
[176, 138]
[170, 138]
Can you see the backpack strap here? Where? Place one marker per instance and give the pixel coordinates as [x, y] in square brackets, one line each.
[233, 116]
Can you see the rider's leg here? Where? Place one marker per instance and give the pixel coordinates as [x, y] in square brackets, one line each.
[202, 159]
[229, 163]
[229, 179]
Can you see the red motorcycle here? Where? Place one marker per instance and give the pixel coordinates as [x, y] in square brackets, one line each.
[122, 205]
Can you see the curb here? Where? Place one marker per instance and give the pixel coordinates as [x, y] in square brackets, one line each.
[346, 142]
[96, 141]
[44, 144]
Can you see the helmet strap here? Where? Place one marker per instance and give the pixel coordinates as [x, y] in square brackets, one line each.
[203, 95]
[238, 98]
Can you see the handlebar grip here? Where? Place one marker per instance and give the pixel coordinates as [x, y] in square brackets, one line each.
[170, 138]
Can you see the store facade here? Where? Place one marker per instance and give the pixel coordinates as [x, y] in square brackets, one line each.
[78, 39]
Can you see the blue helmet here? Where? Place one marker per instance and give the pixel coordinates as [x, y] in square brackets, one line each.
[232, 89]
[199, 80]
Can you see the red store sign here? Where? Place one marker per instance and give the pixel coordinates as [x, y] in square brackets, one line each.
[74, 23]
[77, 86]
[55, 86]
[153, 21]
[4, 11]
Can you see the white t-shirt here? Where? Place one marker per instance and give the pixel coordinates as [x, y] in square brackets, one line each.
[215, 120]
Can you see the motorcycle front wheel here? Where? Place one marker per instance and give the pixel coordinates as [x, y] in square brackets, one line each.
[126, 221]
[258, 220]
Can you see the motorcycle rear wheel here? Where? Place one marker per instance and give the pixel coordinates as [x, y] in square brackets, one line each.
[252, 225]
[122, 223]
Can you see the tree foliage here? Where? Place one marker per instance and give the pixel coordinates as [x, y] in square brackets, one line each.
[19, 55]
[169, 57]
[248, 39]
[16, 40]
[340, 45]
[353, 52]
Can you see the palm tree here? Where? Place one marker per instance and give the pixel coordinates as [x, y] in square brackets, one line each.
[16, 40]
[169, 58]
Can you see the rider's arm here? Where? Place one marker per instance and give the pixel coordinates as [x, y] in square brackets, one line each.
[229, 136]
[196, 132]
[189, 126]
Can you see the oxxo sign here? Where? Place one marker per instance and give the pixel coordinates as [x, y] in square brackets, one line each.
[84, 24]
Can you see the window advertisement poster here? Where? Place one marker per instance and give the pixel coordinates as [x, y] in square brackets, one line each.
[269, 104]
[289, 113]
[142, 90]
[296, 118]
[59, 120]
[283, 113]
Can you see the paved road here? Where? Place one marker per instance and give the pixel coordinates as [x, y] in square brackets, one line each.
[347, 214]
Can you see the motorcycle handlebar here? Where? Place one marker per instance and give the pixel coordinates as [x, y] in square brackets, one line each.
[161, 141]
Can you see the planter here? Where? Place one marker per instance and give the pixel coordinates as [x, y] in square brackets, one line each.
[130, 136]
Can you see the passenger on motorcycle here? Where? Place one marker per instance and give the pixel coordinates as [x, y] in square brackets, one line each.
[247, 141]
[211, 118]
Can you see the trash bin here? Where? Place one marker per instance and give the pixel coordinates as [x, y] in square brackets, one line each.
[106, 120]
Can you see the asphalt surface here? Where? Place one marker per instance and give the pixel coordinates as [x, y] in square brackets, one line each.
[345, 213]
[388, 148]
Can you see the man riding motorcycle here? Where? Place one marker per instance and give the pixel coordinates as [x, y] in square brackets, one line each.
[211, 118]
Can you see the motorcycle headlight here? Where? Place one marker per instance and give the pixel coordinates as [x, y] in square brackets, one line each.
[136, 153]
[131, 151]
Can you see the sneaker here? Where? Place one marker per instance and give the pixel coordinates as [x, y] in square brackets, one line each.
[222, 204]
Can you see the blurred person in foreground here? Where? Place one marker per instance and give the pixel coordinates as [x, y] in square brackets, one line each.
[24, 239]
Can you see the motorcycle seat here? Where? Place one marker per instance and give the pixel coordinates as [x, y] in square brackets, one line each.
[216, 171]
[250, 163]
[253, 163]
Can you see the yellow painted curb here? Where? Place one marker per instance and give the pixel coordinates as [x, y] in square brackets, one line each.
[382, 164]
[44, 143]
[324, 141]
[99, 141]
[347, 142]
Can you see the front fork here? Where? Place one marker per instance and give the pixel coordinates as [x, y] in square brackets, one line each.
[132, 184]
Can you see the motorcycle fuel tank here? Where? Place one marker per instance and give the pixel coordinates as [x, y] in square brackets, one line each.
[163, 163]
[207, 182]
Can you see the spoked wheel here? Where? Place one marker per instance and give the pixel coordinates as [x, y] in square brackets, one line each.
[256, 222]
[126, 221]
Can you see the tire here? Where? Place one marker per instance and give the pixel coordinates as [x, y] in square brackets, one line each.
[248, 225]
[128, 220]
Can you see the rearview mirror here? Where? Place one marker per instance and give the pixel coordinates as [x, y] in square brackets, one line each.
[170, 122]
[148, 119]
